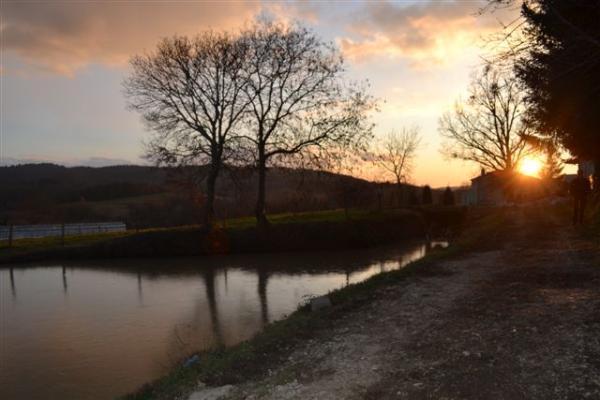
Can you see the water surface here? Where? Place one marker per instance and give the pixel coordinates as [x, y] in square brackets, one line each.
[96, 330]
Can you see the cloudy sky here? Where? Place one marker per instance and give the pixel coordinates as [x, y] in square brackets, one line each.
[62, 63]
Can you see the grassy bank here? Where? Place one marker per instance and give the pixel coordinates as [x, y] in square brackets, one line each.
[324, 230]
[253, 358]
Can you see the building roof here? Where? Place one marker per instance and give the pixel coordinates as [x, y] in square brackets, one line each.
[506, 175]
[508, 179]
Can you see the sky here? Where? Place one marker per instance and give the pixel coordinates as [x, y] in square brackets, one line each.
[63, 62]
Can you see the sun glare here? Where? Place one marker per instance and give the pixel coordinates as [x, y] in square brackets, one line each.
[530, 166]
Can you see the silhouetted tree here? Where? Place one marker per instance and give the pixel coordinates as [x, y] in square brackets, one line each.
[189, 92]
[396, 153]
[555, 50]
[448, 198]
[426, 197]
[553, 165]
[561, 70]
[299, 103]
[556, 55]
[551, 149]
[489, 127]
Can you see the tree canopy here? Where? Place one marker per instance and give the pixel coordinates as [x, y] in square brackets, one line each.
[189, 93]
[300, 103]
[554, 48]
[270, 92]
[489, 127]
[426, 195]
[561, 70]
[396, 153]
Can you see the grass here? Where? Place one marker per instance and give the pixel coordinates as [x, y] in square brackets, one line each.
[291, 231]
[31, 244]
[20, 245]
[337, 215]
[253, 358]
[232, 223]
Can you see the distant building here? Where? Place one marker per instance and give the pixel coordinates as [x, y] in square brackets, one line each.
[501, 188]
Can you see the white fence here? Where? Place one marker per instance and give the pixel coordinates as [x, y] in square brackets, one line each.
[39, 231]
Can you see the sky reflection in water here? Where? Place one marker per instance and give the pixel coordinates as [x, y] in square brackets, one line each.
[94, 330]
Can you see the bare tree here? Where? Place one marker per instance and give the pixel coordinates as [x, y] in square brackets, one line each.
[397, 153]
[488, 128]
[189, 92]
[299, 104]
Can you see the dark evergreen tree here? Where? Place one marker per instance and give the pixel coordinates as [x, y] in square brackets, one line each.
[561, 70]
[426, 197]
[448, 199]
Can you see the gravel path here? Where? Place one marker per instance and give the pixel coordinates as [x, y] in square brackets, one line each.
[522, 322]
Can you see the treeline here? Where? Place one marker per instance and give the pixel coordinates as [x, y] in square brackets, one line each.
[269, 95]
[153, 197]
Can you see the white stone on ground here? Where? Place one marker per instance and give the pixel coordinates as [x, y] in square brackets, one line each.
[213, 393]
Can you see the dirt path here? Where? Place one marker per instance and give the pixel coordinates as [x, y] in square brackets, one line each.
[522, 322]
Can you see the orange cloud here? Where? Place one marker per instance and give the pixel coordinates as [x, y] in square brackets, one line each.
[424, 32]
[65, 36]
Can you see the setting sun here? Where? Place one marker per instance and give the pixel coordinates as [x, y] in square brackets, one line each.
[530, 166]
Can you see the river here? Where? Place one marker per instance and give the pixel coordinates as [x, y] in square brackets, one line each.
[96, 330]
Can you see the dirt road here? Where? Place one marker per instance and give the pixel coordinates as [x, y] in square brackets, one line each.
[521, 321]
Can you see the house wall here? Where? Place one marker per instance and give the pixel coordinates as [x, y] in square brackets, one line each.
[488, 192]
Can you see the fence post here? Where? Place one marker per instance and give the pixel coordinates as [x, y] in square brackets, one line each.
[10, 235]
[62, 234]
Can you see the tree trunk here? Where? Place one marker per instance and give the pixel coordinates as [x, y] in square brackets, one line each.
[261, 219]
[401, 200]
[209, 210]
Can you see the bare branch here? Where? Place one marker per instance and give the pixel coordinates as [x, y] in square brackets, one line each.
[397, 152]
[489, 127]
[189, 93]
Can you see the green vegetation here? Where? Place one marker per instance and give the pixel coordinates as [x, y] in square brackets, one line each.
[320, 230]
[29, 245]
[34, 244]
[338, 215]
[254, 357]
[53, 241]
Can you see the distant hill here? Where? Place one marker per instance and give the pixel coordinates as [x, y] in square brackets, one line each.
[86, 162]
[151, 196]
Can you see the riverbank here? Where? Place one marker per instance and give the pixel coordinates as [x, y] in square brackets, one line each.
[508, 311]
[327, 230]
[255, 358]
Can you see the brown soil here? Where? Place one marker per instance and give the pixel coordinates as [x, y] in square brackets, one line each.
[520, 322]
